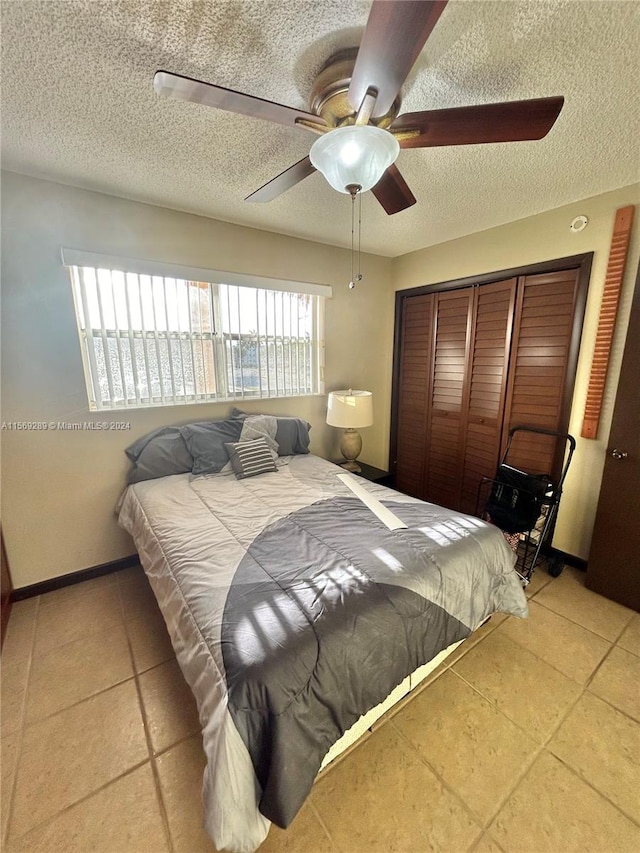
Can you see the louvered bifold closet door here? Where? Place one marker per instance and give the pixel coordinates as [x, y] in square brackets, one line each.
[486, 385]
[541, 340]
[447, 419]
[413, 395]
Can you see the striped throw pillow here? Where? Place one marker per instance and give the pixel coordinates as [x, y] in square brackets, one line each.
[250, 458]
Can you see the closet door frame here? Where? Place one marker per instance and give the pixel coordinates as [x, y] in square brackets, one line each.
[582, 263]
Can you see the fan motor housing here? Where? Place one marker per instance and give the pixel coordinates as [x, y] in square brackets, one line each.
[329, 93]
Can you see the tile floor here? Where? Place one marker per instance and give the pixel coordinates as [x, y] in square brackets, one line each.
[528, 739]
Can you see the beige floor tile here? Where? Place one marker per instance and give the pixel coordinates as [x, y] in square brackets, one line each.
[568, 647]
[149, 640]
[603, 746]
[618, 681]
[383, 799]
[132, 572]
[180, 770]
[478, 635]
[568, 596]
[304, 835]
[552, 810]
[137, 597]
[487, 845]
[169, 705]
[76, 751]
[77, 617]
[630, 639]
[18, 640]
[26, 607]
[525, 688]
[539, 579]
[77, 590]
[124, 817]
[77, 670]
[14, 692]
[468, 742]
[8, 756]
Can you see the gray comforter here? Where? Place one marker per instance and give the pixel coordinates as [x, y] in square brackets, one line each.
[307, 611]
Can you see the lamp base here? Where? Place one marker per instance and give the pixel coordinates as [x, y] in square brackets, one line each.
[350, 447]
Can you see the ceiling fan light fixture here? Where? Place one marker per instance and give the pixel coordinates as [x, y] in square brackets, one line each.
[356, 155]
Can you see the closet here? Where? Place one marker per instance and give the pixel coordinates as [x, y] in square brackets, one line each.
[472, 359]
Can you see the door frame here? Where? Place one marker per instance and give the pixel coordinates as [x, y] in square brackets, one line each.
[582, 263]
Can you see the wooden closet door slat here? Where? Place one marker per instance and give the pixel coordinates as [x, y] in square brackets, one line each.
[543, 327]
[486, 393]
[413, 397]
[447, 418]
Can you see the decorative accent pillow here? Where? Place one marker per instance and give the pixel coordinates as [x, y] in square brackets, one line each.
[206, 443]
[159, 454]
[292, 434]
[261, 426]
[250, 458]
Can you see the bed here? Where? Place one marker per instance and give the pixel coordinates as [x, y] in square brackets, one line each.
[296, 614]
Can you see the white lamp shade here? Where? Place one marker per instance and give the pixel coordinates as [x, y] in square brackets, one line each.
[350, 409]
[354, 155]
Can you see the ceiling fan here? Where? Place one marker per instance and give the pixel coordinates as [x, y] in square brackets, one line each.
[359, 89]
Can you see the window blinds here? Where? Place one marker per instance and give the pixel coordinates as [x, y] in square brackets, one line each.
[152, 339]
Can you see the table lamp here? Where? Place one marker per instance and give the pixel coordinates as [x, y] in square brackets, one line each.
[350, 410]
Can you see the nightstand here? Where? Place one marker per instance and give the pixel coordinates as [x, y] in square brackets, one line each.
[375, 475]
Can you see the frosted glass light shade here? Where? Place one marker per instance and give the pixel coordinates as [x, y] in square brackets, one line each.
[350, 409]
[354, 155]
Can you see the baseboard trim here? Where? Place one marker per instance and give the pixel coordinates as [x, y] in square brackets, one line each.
[133, 560]
[569, 559]
[74, 577]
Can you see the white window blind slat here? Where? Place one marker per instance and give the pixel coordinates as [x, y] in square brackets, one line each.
[145, 346]
[105, 342]
[276, 360]
[266, 343]
[88, 346]
[118, 339]
[241, 340]
[180, 338]
[132, 345]
[172, 387]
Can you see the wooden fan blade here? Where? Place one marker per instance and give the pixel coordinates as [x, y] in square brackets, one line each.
[513, 121]
[392, 191]
[394, 36]
[187, 89]
[284, 181]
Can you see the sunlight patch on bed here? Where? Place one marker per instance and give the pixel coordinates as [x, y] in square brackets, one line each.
[388, 559]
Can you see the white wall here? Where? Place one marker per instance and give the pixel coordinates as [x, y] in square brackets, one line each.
[540, 238]
[59, 488]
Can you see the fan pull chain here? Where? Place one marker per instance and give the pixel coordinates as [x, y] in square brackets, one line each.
[358, 277]
[359, 233]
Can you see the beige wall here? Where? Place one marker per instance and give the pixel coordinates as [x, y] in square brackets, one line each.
[540, 238]
[59, 488]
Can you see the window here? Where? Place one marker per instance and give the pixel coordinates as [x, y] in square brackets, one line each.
[155, 335]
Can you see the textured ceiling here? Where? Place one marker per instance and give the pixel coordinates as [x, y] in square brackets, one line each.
[78, 107]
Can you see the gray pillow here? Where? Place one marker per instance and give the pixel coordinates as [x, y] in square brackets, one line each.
[292, 434]
[159, 454]
[250, 458]
[206, 443]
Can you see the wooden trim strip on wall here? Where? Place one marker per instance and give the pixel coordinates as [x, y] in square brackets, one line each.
[607, 322]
